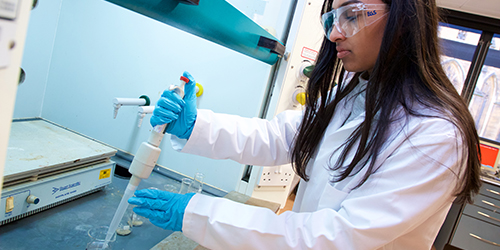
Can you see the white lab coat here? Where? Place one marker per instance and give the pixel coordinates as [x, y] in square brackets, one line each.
[401, 206]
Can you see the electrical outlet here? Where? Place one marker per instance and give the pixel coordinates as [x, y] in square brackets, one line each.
[276, 176]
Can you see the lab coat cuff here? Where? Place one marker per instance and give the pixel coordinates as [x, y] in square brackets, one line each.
[200, 130]
[188, 222]
[177, 143]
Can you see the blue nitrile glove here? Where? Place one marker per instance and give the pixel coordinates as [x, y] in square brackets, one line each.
[164, 209]
[180, 114]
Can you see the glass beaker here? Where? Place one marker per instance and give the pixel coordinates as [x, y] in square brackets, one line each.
[197, 185]
[125, 226]
[134, 219]
[185, 185]
[170, 188]
[98, 238]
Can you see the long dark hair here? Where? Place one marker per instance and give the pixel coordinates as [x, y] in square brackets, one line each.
[407, 70]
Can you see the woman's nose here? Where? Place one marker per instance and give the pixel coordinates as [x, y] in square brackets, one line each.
[335, 35]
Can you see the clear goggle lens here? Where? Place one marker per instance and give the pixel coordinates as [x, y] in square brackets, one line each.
[350, 19]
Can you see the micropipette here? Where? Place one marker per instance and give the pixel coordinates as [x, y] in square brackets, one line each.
[142, 165]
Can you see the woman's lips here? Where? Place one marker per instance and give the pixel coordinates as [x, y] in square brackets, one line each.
[342, 53]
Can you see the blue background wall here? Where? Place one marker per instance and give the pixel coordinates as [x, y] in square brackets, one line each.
[37, 55]
[81, 54]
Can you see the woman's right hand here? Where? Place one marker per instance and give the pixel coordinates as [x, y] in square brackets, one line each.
[179, 113]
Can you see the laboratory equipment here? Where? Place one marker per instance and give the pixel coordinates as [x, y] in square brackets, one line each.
[97, 238]
[125, 225]
[170, 188]
[134, 219]
[197, 185]
[124, 228]
[142, 111]
[48, 165]
[189, 185]
[118, 102]
[142, 165]
[185, 185]
[221, 23]
[199, 90]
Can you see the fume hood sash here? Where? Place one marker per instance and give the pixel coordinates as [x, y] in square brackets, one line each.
[214, 20]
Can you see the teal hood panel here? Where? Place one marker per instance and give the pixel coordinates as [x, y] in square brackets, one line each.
[214, 20]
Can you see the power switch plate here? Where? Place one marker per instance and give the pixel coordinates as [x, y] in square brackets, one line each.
[9, 204]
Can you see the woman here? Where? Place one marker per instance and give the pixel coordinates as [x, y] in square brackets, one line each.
[381, 156]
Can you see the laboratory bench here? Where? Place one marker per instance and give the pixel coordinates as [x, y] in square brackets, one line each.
[65, 226]
[474, 226]
[58, 184]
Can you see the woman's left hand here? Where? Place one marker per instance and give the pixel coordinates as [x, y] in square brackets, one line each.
[164, 209]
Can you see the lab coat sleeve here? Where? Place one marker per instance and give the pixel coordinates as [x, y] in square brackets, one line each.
[414, 185]
[251, 141]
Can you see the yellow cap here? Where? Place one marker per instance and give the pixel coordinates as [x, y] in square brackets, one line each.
[301, 98]
[200, 90]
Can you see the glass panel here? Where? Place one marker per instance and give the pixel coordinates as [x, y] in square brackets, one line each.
[485, 103]
[458, 45]
[268, 14]
[215, 20]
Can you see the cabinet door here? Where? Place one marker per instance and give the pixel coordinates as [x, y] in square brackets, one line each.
[483, 214]
[473, 234]
[487, 202]
[490, 191]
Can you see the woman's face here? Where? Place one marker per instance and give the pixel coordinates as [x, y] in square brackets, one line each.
[360, 51]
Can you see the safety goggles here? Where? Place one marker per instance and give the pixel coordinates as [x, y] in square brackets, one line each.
[352, 18]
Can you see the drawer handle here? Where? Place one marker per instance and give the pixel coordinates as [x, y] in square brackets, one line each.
[483, 240]
[493, 191]
[488, 216]
[489, 203]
